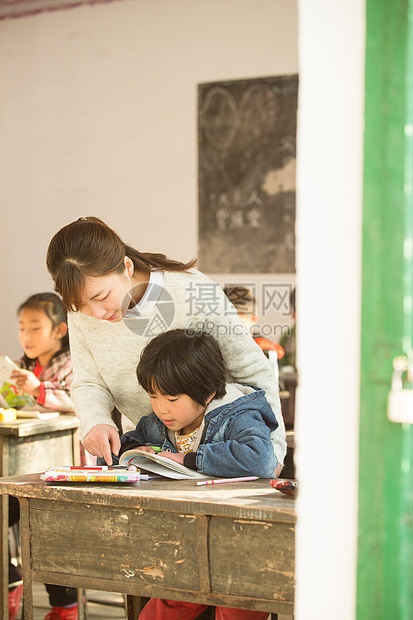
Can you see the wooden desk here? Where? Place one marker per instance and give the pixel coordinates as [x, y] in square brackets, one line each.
[26, 446]
[229, 544]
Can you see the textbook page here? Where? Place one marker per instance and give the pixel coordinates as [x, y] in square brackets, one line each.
[158, 465]
[11, 395]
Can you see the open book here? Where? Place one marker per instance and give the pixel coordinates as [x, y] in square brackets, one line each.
[157, 464]
[39, 415]
[10, 395]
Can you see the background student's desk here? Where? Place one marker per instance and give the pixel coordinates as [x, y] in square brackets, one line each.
[228, 544]
[26, 446]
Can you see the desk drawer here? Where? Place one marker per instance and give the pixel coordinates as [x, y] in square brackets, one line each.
[259, 561]
[150, 547]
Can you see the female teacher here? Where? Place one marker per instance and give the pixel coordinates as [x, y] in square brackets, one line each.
[118, 299]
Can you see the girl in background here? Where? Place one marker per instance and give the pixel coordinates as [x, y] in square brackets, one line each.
[46, 374]
[46, 368]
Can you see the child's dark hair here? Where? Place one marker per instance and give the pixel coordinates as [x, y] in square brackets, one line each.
[52, 306]
[183, 362]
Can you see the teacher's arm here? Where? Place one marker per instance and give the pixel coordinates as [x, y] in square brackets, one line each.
[92, 400]
[101, 441]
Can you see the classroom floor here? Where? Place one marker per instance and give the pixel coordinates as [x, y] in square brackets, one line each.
[95, 611]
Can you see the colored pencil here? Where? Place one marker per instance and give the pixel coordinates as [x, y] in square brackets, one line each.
[222, 480]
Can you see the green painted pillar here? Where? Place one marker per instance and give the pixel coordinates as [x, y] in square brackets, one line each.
[385, 547]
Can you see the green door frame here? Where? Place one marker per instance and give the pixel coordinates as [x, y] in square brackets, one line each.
[385, 546]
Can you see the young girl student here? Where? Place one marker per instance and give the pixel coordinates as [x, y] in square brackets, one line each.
[119, 299]
[199, 420]
[46, 373]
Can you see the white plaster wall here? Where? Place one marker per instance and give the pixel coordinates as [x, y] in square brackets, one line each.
[328, 227]
[98, 116]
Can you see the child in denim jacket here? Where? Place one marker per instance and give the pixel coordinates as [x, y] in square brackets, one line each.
[204, 423]
[199, 420]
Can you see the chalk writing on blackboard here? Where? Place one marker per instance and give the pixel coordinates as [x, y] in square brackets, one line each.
[247, 157]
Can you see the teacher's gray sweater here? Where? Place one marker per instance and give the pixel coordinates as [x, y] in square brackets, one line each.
[105, 355]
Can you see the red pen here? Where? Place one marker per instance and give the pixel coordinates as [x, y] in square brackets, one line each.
[75, 467]
[87, 469]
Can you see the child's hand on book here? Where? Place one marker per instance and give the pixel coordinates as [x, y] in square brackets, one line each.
[147, 449]
[26, 381]
[178, 458]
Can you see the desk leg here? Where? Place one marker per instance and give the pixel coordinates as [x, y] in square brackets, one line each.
[134, 605]
[4, 555]
[26, 563]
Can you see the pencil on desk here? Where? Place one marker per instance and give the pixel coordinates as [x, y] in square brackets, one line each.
[222, 480]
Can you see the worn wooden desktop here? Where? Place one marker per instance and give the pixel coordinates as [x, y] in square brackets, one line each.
[26, 446]
[229, 544]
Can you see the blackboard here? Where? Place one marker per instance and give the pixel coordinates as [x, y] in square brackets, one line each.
[246, 159]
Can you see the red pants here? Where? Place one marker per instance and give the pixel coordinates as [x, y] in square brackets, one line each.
[163, 609]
